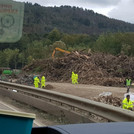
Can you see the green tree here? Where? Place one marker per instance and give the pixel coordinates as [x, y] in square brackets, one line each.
[54, 35]
[29, 59]
[37, 50]
[3, 61]
[59, 44]
[8, 56]
[109, 43]
[11, 57]
[21, 59]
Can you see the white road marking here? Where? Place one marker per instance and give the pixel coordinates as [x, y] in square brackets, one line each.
[8, 106]
[13, 109]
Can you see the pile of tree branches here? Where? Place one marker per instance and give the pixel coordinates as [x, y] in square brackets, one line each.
[97, 68]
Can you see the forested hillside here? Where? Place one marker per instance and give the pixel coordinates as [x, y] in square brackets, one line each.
[40, 20]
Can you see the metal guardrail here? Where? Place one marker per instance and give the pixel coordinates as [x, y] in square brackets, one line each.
[75, 104]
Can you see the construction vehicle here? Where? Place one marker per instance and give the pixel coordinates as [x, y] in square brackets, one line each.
[59, 49]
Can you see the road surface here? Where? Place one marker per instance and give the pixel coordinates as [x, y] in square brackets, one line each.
[4, 106]
[82, 90]
[87, 91]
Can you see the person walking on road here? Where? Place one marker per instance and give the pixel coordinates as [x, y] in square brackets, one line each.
[127, 103]
[36, 82]
[76, 78]
[43, 80]
[128, 84]
[73, 78]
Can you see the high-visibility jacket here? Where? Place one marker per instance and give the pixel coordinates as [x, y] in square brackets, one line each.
[36, 82]
[76, 78]
[73, 74]
[43, 80]
[128, 82]
[73, 78]
[126, 104]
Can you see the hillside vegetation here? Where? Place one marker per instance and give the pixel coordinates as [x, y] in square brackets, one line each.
[67, 19]
[32, 47]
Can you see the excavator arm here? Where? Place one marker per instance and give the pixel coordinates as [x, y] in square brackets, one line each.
[59, 49]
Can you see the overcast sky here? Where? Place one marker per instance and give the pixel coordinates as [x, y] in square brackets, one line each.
[118, 9]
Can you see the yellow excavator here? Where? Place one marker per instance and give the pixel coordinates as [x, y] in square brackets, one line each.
[59, 49]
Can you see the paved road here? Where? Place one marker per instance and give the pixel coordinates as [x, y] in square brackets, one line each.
[5, 106]
[82, 90]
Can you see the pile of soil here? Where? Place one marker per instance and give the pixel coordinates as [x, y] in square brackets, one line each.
[48, 86]
[97, 68]
[111, 100]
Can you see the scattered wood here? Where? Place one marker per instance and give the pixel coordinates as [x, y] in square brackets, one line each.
[97, 68]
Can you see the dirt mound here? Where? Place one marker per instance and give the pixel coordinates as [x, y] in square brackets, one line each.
[98, 68]
[48, 86]
[111, 100]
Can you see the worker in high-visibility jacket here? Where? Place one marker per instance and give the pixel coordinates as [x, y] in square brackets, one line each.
[73, 78]
[128, 84]
[36, 82]
[76, 78]
[43, 80]
[127, 103]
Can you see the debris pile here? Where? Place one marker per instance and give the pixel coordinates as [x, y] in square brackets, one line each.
[97, 68]
[48, 86]
[107, 98]
[25, 80]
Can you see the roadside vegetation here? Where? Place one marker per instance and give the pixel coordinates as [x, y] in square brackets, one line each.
[33, 47]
